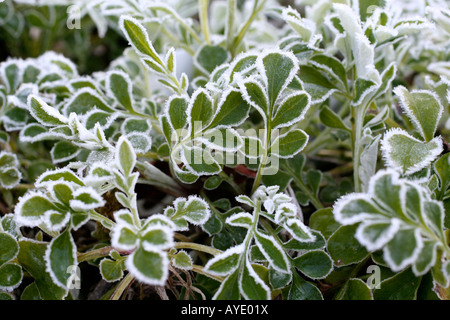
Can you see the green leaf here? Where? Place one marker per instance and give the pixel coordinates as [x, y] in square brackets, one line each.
[291, 110]
[110, 270]
[84, 101]
[31, 209]
[182, 260]
[136, 35]
[332, 66]
[355, 289]
[209, 57]
[407, 154]
[31, 258]
[43, 113]
[10, 248]
[60, 255]
[442, 169]
[229, 289]
[59, 174]
[120, 87]
[31, 292]
[329, 118]
[273, 252]
[231, 111]
[252, 287]
[126, 156]
[10, 276]
[289, 144]
[177, 112]
[423, 108]
[402, 286]
[344, 249]
[314, 264]
[225, 263]
[149, 267]
[403, 249]
[303, 290]
[200, 110]
[323, 221]
[278, 70]
[9, 177]
[63, 151]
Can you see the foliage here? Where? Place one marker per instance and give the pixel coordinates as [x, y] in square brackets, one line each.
[225, 150]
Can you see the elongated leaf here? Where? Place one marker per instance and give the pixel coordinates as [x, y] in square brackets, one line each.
[149, 267]
[252, 287]
[291, 110]
[60, 255]
[273, 252]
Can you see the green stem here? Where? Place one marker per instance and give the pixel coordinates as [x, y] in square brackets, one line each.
[105, 221]
[197, 247]
[201, 270]
[229, 29]
[204, 21]
[246, 26]
[357, 124]
[94, 254]
[125, 283]
[262, 164]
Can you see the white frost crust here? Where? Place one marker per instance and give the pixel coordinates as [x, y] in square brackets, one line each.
[55, 227]
[343, 201]
[382, 240]
[182, 267]
[387, 255]
[157, 247]
[386, 150]
[241, 84]
[302, 226]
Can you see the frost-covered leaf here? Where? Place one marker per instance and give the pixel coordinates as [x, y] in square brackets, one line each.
[182, 260]
[273, 252]
[60, 255]
[291, 110]
[125, 156]
[86, 198]
[32, 258]
[252, 287]
[193, 209]
[31, 208]
[232, 110]
[423, 108]
[10, 248]
[111, 270]
[120, 87]
[63, 151]
[315, 264]
[225, 263]
[43, 113]
[150, 267]
[289, 144]
[10, 276]
[10, 175]
[407, 154]
[208, 57]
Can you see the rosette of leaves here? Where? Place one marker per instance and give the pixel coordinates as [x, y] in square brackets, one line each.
[400, 217]
[60, 203]
[260, 264]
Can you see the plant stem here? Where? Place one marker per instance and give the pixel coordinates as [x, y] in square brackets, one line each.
[125, 283]
[204, 21]
[262, 164]
[229, 29]
[243, 31]
[94, 254]
[201, 270]
[358, 118]
[105, 221]
[196, 246]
